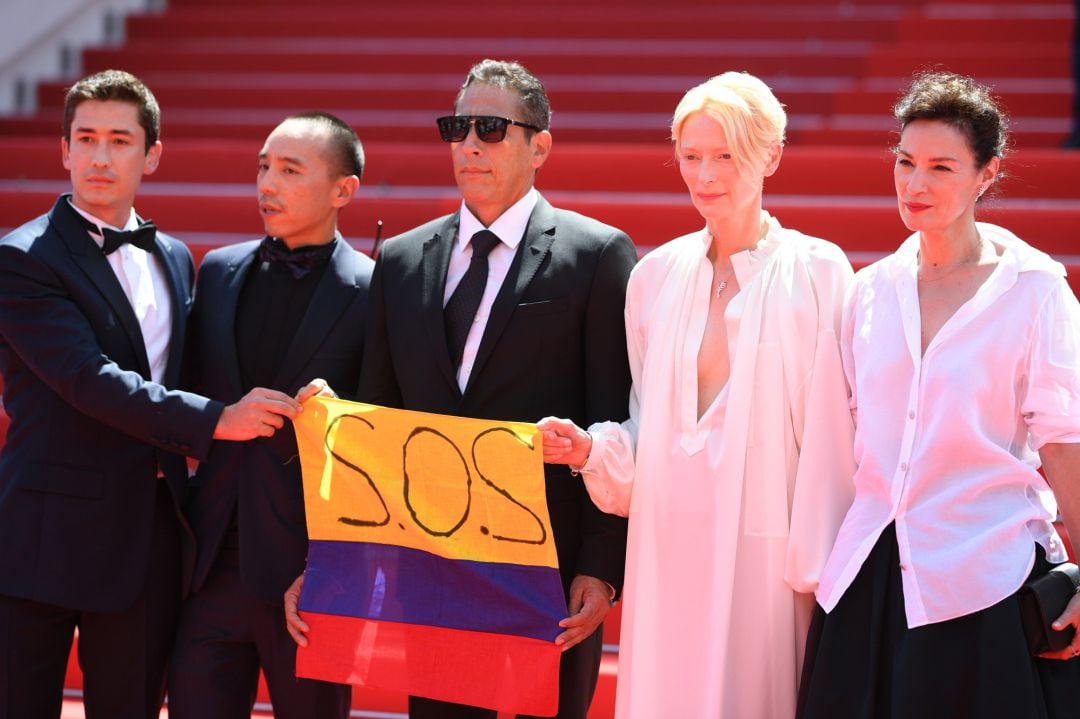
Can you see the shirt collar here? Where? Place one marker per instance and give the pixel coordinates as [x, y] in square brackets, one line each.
[1018, 256]
[131, 224]
[509, 226]
[747, 263]
[1019, 253]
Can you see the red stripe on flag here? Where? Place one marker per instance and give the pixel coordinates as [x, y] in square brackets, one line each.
[497, 671]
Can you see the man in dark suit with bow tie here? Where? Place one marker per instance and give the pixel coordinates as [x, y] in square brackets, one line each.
[93, 305]
[278, 313]
[511, 309]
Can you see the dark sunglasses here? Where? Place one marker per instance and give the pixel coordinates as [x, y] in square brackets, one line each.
[455, 128]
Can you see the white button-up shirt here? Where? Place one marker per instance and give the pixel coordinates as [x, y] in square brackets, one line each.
[142, 278]
[946, 442]
[510, 229]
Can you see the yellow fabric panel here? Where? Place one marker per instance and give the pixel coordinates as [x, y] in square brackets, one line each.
[455, 487]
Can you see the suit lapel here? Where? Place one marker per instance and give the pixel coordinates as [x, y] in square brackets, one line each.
[434, 262]
[332, 295]
[223, 317]
[179, 296]
[539, 234]
[89, 258]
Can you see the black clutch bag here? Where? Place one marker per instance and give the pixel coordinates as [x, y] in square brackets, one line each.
[1042, 600]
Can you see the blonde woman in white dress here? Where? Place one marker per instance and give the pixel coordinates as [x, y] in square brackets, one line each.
[735, 465]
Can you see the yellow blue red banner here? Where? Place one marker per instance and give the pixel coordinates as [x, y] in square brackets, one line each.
[432, 569]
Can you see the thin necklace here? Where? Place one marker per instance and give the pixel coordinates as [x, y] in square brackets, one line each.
[722, 284]
[972, 258]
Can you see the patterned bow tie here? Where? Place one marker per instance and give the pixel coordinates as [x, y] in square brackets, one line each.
[300, 261]
[141, 237]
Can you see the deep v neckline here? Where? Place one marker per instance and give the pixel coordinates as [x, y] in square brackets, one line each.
[691, 385]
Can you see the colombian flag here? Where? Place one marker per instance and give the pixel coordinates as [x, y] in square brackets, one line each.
[431, 568]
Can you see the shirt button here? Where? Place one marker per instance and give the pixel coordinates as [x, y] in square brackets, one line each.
[911, 414]
[903, 466]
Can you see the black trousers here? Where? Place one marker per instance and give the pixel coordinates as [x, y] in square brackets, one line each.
[122, 655]
[579, 669]
[226, 634]
[863, 662]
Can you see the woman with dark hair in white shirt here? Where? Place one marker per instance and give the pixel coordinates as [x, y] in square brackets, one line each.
[735, 465]
[962, 351]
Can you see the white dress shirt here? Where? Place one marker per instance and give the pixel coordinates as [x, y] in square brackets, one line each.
[946, 442]
[510, 229]
[143, 280]
[733, 513]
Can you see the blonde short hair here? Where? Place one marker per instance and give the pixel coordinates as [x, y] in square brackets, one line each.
[752, 118]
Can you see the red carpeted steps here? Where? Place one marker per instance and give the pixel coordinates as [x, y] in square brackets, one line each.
[226, 71]
[614, 72]
[821, 21]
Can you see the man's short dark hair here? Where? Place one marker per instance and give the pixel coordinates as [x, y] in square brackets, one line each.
[344, 149]
[115, 85]
[535, 108]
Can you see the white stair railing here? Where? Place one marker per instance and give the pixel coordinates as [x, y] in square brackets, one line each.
[42, 40]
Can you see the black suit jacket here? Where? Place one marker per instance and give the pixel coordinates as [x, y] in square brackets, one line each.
[78, 472]
[261, 479]
[554, 344]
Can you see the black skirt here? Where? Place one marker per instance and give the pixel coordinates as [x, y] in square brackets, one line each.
[863, 662]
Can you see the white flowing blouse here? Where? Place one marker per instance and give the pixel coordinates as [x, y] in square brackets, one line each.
[731, 514]
[946, 442]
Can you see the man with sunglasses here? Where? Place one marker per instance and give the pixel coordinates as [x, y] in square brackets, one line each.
[510, 309]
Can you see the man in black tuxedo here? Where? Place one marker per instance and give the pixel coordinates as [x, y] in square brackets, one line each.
[511, 309]
[91, 337]
[278, 313]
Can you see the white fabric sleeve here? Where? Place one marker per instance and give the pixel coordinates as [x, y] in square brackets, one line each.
[824, 487]
[608, 473]
[1051, 406]
[847, 355]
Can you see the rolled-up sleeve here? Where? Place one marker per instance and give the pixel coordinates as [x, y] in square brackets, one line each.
[1051, 406]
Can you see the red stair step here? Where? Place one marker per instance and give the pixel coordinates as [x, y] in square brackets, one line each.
[238, 92]
[694, 61]
[821, 21]
[970, 57]
[924, 27]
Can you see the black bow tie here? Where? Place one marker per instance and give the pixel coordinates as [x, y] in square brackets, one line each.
[300, 261]
[141, 237]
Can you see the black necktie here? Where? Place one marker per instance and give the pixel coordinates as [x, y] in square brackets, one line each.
[141, 237]
[461, 309]
[300, 261]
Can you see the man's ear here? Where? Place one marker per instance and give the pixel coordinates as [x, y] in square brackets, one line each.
[153, 157]
[541, 148]
[344, 190]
